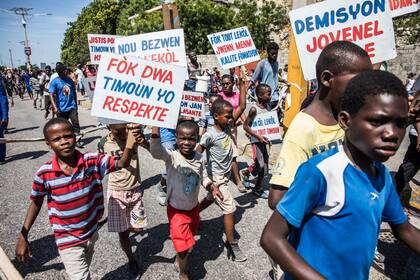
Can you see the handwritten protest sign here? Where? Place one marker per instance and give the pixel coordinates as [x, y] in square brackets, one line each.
[100, 43]
[164, 46]
[89, 85]
[402, 7]
[234, 47]
[267, 125]
[137, 90]
[367, 23]
[192, 104]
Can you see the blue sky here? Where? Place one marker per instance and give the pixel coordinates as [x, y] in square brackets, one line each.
[45, 32]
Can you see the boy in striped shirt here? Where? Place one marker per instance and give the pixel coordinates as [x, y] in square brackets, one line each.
[72, 181]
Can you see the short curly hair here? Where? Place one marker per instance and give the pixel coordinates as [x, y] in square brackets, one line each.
[370, 83]
[55, 121]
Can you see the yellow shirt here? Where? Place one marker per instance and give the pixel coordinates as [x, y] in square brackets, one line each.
[304, 139]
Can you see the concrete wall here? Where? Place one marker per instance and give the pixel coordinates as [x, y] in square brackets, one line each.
[408, 60]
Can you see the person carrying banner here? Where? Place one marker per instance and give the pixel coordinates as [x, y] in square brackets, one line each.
[217, 141]
[126, 212]
[186, 172]
[259, 168]
[233, 97]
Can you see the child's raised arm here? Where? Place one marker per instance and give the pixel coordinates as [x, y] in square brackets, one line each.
[242, 100]
[125, 159]
[274, 242]
[156, 149]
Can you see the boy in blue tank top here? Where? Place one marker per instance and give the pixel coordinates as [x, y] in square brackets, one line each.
[327, 224]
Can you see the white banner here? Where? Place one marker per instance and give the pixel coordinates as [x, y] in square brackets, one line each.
[137, 90]
[402, 7]
[234, 47]
[192, 105]
[267, 125]
[367, 23]
[164, 46]
[100, 43]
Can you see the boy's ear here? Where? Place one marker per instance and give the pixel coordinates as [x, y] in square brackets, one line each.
[326, 78]
[48, 144]
[344, 120]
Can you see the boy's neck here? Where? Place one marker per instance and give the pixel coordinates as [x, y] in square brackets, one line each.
[68, 161]
[261, 104]
[359, 160]
[189, 156]
[322, 110]
[218, 127]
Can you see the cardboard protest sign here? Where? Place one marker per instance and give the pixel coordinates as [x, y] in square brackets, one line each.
[402, 7]
[164, 46]
[89, 85]
[367, 23]
[100, 43]
[267, 125]
[137, 90]
[234, 47]
[192, 104]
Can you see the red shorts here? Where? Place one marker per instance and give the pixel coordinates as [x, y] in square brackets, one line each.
[183, 224]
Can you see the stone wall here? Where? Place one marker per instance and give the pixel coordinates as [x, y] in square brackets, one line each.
[408, 60]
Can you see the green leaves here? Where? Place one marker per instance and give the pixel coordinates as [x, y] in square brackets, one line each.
[198, 18]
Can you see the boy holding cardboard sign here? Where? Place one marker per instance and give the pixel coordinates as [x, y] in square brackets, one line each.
[259, 142]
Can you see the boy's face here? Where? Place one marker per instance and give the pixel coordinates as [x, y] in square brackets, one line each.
[264, 95]
[225, 117]
[378, 128]
[119, 131]
[61, 140]
[338, 82]
[186, 140]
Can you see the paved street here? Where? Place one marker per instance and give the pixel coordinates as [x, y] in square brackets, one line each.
[153, 247]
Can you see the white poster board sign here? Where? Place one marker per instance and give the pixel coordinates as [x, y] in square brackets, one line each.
[267, 125]
[367, 23]
[192, 105]
[234, 47]
[100, 43]
[137, 90]
[89, 85]
[164, 46]
[402, 7]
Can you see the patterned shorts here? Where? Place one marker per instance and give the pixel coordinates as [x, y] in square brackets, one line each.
[126, 210]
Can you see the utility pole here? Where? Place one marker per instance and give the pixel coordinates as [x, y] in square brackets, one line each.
[295, 74]
[11, 58]
[24, 12]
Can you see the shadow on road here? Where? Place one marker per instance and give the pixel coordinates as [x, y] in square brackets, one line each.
[44, 250]
[86, 140]
[26, 155]
[12, 130]
[146, 252]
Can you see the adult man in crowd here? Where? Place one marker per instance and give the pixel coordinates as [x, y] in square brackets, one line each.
[266, 73]
[63, 96]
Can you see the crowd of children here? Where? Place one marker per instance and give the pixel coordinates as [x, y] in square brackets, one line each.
[329, 190]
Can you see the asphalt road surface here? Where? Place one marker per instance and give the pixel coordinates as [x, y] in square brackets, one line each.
[153, 247]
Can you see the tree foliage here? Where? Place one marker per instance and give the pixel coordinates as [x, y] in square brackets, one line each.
[98, 17]
[407, 29]
[198, 18]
